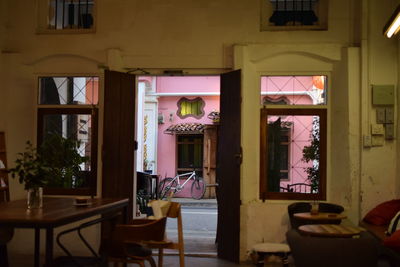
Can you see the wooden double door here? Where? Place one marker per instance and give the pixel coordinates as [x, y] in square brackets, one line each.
[119, 146]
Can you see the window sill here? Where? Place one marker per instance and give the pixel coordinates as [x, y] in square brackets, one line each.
[292, 196]
[295, 28]
[65, 31]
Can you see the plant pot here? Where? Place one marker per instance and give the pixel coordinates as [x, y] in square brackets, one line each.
[35, 198]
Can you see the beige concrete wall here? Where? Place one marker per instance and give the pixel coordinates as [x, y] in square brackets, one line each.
[379, 66]
[211, 36]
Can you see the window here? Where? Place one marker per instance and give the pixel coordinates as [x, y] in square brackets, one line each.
[293, 140]
[293, 14]
[189, 153]
[190, 108]
[68, 108]
[66, 15]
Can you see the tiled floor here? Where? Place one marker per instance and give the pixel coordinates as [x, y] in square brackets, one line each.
[169, 261]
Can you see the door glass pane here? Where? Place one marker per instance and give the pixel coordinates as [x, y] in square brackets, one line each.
[293, 153]
[68, 90]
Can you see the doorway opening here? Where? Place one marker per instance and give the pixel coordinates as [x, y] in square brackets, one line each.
[177, 127]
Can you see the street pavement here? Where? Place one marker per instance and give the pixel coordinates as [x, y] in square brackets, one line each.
[199, 219]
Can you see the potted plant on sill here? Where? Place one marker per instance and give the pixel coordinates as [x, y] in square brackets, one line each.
[33, 173]
[56, 163]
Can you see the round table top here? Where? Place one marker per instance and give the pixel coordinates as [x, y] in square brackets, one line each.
[320, 216]
[329, 230]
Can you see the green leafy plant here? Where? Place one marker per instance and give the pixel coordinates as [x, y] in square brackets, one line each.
[56, 163]
[311, 154]
[62, 156]
[30, 168]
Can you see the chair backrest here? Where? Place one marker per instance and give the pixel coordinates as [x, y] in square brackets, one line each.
[332, 252]
[306, 207]
[137, 231]
[174, 210]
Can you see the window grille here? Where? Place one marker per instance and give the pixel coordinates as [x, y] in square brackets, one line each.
[71, 14]
[293, 12]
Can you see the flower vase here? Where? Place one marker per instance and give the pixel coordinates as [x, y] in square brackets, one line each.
[35, 198]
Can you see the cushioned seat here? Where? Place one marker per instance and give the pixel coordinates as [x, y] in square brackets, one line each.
[332, 252]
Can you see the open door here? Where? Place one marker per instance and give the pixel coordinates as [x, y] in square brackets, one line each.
[119, 137]
[229, 157]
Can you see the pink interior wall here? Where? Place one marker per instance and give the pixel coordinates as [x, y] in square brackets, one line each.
[166, 153]
[299, 136]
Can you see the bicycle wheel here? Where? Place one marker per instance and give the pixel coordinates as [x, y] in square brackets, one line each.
[166, 186]
[198, 188]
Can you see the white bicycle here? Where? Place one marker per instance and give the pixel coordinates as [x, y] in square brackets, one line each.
[173, 185]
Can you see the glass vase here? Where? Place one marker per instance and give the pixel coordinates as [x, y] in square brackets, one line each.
[35, 198]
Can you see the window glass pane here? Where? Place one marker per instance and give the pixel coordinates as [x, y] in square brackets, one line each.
[293, 153]
[191, 107]
[190, 151]
[58, 131]
[68, 90]
[70, 14]
[293, 90]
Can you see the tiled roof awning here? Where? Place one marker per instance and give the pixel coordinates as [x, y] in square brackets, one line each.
[185, 128]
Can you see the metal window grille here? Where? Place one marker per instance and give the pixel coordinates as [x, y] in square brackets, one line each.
[71, 14]
[293, 12]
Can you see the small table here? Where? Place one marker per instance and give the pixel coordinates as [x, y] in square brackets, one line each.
[321, 216]
[55, 212]
[329, 230]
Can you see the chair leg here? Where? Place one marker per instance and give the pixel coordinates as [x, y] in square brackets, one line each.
[152, 262]
[3, 256]
[181, 257]
[160, 257]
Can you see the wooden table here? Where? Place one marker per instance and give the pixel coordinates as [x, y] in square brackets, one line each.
[55, 212]
[321, 216]
[329, 230]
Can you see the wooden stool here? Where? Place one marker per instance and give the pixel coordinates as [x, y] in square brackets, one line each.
[263, 250]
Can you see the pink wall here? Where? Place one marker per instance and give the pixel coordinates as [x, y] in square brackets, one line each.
[166, 153]
[188, 84]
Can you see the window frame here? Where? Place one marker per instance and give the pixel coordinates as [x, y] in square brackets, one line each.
[177, 153]
[321, 111]
[267, 9]
[93, 111]
[185, 99]
[43, 26]
[89, 109]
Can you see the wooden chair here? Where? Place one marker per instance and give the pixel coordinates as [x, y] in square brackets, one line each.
[127, 243]
[174, 211]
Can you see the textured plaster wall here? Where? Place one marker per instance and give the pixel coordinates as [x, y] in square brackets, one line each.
[199, 36]
[379, 54]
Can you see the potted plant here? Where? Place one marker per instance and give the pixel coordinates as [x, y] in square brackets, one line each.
[33, 173]
[56, 163]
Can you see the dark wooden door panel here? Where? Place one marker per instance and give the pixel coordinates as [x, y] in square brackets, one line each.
[228, 167]
[118, 136]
